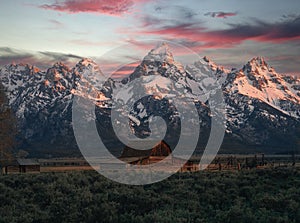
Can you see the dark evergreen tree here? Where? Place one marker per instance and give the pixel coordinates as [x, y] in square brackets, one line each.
[7, 128]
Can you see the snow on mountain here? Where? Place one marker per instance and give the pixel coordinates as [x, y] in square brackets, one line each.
[89, 70]
[159, 61]
[160, 53]
[162, 76]
[90, 81]
[42, 100]
[257, 80]
[16, 77]
[255, 96]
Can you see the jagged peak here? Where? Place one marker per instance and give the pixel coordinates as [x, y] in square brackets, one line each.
[161, 48]
[15, 65]
[88, 69]
[161, 53]
[258, 61]
[60, 66]
[22, 66]
[257, 65]
[207, 62]
[86, 62]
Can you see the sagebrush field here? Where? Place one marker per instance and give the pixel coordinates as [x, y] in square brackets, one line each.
[246, 196]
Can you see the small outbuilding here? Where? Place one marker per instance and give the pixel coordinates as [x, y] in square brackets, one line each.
[29, 166]
[21, 166]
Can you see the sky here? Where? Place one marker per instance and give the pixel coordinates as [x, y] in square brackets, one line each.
[230, 32]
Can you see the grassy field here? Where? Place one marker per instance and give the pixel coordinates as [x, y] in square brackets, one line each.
[270, 195]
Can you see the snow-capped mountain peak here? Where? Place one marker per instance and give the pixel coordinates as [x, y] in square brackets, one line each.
[159, 61]
[259, 61]
[20, 68]
[256, 80]
[88, 70]
[256, 64]
[261, 105]
[87, 62]
[87, 65]
[161, 53]
[57, 68]
[206, 61]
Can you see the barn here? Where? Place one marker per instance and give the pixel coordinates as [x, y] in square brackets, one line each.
[161, 151]
[144, 157]
[21, 166]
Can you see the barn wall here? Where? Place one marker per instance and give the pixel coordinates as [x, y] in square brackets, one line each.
[10, 170]
[32, 168]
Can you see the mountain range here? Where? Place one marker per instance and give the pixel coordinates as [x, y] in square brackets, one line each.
[262, 106]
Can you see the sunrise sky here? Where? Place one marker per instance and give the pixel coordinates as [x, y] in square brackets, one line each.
[229, 32]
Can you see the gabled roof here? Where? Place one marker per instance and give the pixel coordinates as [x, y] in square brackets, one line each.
[27, 162]
[160, 149]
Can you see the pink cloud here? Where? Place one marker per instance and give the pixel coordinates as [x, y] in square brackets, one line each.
[193, 37]
[198, 37]
[108, 7]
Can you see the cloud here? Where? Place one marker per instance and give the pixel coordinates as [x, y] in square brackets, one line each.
[9, 55]
[59, 56]
[278, 32]
[198, 36]
[168, 15]
[108, 7]
[43, 60]
[223, 15]
[234, 44]
[191, 34]
[176, 11]
[284, 57]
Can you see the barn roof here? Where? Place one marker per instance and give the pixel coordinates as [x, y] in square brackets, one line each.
[160, 149]
[27, 162]
[130, 152]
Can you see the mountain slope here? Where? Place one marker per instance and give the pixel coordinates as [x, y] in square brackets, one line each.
[262, 106]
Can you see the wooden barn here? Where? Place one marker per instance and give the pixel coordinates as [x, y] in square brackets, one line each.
[21, 166]
[144, 157]
[161, 151]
